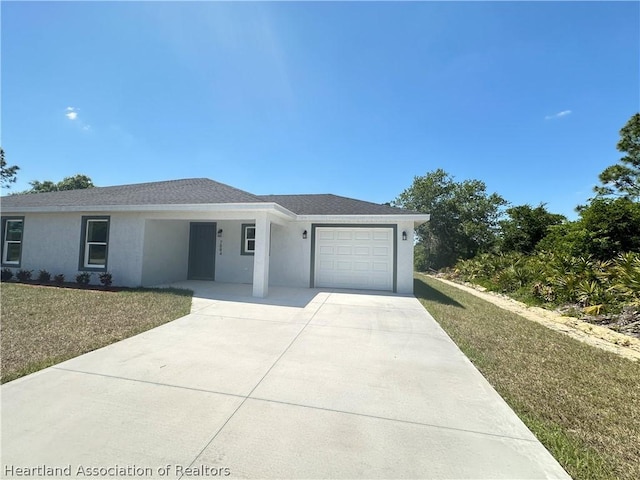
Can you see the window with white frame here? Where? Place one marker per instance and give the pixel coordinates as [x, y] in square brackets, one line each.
[12, 228]
[248, 239]
[95, 243]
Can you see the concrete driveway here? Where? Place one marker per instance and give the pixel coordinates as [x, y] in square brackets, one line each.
[305, 384]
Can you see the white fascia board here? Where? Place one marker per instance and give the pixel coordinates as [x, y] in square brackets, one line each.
[417, 219]
[244, 208]
[268, 207]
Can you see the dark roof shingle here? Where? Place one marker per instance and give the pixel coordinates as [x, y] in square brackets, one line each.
[196, 191]
[172, 192]
[329, 204]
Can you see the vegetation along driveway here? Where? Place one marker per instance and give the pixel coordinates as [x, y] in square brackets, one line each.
[307, 384]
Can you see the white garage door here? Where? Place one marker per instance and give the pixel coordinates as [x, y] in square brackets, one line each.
[354, 258]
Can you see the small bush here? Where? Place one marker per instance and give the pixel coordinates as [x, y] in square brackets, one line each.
[59, 279]
[44, 276]
[543, 292]
[83, 278]
[601, 286]
[106, 279]
[6, 274]
[23, 275]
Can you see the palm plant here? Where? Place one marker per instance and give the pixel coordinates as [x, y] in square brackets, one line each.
[626, 277]
[589, 293]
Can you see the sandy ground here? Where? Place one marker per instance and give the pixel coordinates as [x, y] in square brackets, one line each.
[595, 335]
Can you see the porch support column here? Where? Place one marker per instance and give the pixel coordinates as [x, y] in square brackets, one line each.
[261, 256]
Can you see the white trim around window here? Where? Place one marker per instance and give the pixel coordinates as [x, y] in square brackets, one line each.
[248, 245]
[12, 234]
[94, 246]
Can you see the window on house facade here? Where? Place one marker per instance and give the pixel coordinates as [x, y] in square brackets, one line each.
[12, 228]
[248, 239]
[95, 243]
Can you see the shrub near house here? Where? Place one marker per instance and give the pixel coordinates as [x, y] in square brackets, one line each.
[592, 286]
[44, 277]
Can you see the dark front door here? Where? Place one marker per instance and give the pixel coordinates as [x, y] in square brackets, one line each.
[202, 251]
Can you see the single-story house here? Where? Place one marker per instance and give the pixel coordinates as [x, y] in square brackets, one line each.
[162, 232]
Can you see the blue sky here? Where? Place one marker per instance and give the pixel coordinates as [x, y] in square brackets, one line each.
[349, 98]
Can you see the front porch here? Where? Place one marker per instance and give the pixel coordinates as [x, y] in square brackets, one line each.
[223, 247]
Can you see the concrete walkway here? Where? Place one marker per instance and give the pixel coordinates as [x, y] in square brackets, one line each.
[303, 384]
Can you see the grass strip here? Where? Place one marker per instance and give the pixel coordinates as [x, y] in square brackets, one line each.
[42, 326]
[581, 402]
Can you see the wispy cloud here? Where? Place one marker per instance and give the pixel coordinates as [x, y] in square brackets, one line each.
[72, 113]
[561, 114]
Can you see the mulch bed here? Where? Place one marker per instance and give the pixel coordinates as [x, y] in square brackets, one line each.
[73, 285]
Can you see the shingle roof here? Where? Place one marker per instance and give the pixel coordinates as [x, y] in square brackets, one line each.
[196, 191]
[328, 204]
[173, 192]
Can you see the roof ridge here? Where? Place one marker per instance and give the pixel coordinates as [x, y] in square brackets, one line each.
[150, 183]
[144, 184]
[294, 194]
[184, 190]
[319, 194]
[236, 189]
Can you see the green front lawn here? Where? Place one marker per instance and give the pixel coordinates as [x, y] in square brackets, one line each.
[42, 326]
[581, 402]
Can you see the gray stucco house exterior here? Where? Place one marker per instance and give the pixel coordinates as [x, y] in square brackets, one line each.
[161, 232]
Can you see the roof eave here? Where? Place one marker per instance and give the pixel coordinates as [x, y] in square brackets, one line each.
[194, 207]
[269, 207]
[417, 219]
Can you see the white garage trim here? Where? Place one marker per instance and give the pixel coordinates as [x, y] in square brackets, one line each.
[315, 241]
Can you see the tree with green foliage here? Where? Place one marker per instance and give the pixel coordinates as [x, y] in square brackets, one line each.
[525, 227]
[623, 178]
[464, 218]
[7, 174]
[606, 228]
[567, 239]
[76, 182]
[612, 226]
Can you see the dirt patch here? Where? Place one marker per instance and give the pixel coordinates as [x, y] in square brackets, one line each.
[595, 335]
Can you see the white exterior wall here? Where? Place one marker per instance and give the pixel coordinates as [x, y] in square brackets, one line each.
[231, 266]
[290, 255]
[52, 242]
[126, 242]
[153, 248]
[166, 251]
[405, 258]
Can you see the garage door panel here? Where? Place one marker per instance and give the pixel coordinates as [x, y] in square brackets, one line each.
[361, 266]
[354, 257]
[325, 235]
[382, 235]
[380, 267]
